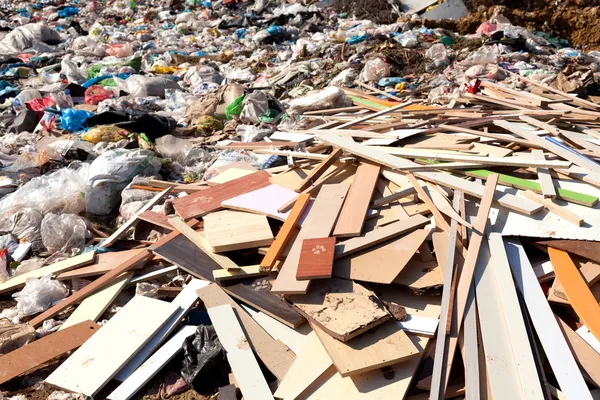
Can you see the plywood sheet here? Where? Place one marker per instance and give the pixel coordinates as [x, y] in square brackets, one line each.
[316, 258]
[100, 358]
[104, 263]
[265, 201]
[234, 230]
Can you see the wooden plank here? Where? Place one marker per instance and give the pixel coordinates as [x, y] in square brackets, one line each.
[234, 230]
[94, 306]
[104, 263]
[588, 337]
[41, 351]
[209, 200]
[355, 207]
[229, 175]
[424, 196]
[466, 276]
[379, 235]
[311, 364]
[156, 219]
[180, 251]
[319, 170]
[383, 263]
[240, 273]
[184, 301]
[100, 357]
[316, 258]
[371, 116]
[152, 366]
[264, 201]
[342, 308]
[130, 263]
[544, 177]
[555, 208]
[318, 223]
[288, 228]
[590, 271]
[385, 345]
[585, 355]
[582, 248]
[580, 297]
[557, 351]
[109, 241]
[470, 350]
[62, 266]
[244, 366]
[200, 241]
[511, 310]
[273, 354]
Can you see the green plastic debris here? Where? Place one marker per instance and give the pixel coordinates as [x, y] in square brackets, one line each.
[235, 108]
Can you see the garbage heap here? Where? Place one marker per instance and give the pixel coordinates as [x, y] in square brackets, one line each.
[284, 200]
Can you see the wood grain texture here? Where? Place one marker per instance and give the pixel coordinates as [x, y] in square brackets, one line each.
[383, 263]
[104, 263]
[580, 297]
[583, 248]
[318, 170]
[318, 223]
[342, 308]
[62, 266]
[316, 258]
[557, 351]
[288, 229]
[240, 273]
[234, 230]
[156, 219]
[555, 208]
[136, 261]
[264, 201]
[100, 357]
[209, 200]
[544, 177]
[355, 206]
[244, 366]
[180, 251]
[45, 349]
[276, 357]
[585, 355]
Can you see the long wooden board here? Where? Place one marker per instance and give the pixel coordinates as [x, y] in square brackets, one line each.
[61, 266]
[583, 248]
[244, 366]
[319, 170]
[104, 263]
[354, 210]
[100, 358]
[45, 349]
[206, 201]
[273, 354]
[318, 223]
[234, 230]
[584, 354]
[264, 201]
[580, 297]
[559, 355]
[544, 177]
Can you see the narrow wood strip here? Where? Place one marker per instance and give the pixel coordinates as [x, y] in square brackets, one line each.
[319, 170]
[240, 273]
[555, 208]
[544, 177]
[156, 219]
[584, 354]
[439, 218]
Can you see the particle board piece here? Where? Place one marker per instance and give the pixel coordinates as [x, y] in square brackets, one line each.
[319, 170]
[229, 175]
[383, 263]
[100, 357]
[156, 219]
[136, 261]
[287, 230]
[318, 223]
[94, 306]
[109, 241]
[511, 309]
[584, 354]
[243, 364]
[316, 258]
[379, 235]
[582, 248]
[183, 302]
[61, 266]
[575, 287]
[206, 201]
[234, 230]
[34, 354]
[104, 263]
[265, 201]
[544, 177]
[557, 351]
[354, 210]
[200, 241]
[420, 277]
[152, 366]
[276, 357]
[342, 308]
[240, 273]
[555, 208]
[387, 383]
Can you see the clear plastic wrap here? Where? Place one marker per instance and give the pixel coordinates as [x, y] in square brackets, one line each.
[38, 295]
[64, 233]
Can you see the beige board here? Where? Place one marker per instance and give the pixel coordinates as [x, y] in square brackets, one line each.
[234, 230]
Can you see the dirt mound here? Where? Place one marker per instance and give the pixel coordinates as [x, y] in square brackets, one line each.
[378, 11]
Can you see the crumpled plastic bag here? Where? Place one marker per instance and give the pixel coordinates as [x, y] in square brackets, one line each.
[95, 94]
[64, 233]
[330, 97]
[204, 363]
[105, 133]
[28, 265]
[144, 86]
[38, 295]
[374, 70]
[24, 37]
[438, 54]
[25, 225]
[111, 172]
[254, 105]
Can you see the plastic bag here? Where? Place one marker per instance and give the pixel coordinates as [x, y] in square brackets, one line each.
[70, 70]
[251, 133]
[374, 70]
[64, 233]
[330, 97]
[204, 363]
[438, 54]
[13, 337]
[38, 295]
[48, 326]
[111, 172]
[95, 94]
[105, 133]
[74, 120]
[144, 86]
[25, 225]
[119, 50]
[28, 265]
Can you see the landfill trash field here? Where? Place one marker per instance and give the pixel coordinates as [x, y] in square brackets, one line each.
[347, 199]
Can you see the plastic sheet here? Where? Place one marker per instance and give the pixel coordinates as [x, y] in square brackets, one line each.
[38, 295]
[64, 233]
